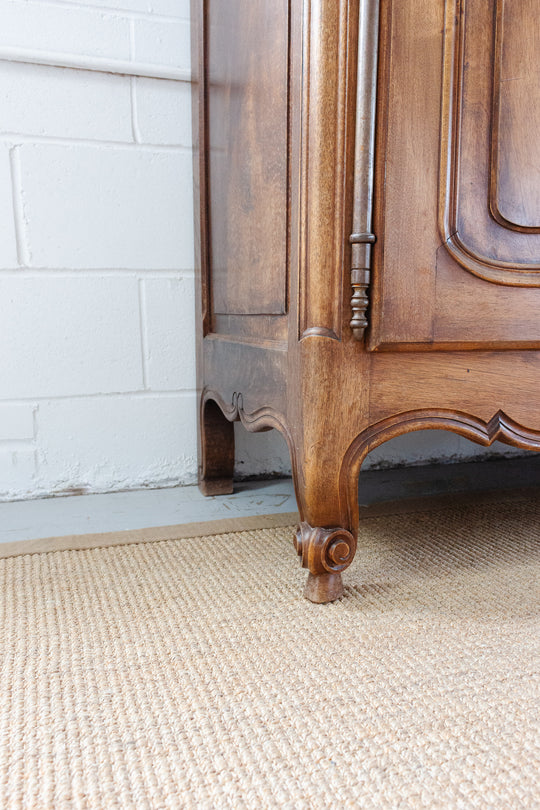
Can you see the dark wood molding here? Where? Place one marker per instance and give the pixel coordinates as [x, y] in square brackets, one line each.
[200, 153]
[499, 428]
[328, 28]
[256, 421]
[519, 273]
[263, 418]
[498, 140]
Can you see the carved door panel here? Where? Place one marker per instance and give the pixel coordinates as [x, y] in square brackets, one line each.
[457, 182]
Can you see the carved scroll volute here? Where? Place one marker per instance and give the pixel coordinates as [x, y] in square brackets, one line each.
[364, 163]
[324, 551]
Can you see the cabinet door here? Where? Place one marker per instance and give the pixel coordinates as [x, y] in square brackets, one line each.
[457, 183]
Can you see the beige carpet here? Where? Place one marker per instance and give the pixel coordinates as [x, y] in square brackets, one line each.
[192, 674]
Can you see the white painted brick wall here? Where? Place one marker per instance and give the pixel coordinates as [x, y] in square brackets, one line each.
[66, 336]
[173, 8]
[116, 442]
[67, 104]
[17, 422]
[48, 27]
[166, 43]
[114, 207]
[163, 112]
[17, 471]
[168, 309]
[97, 371]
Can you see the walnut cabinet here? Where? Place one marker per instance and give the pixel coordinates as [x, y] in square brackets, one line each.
[367, 195]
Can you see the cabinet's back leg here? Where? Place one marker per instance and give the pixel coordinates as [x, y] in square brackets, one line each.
[216, 451]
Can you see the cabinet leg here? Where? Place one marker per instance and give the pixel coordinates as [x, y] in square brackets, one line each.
[326, 553]
[326, 538]
[216, 450]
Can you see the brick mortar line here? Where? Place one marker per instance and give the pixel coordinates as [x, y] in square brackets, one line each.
[114, 11]
[16, 139]
[98, 64]
[24, 256]
[95, 272]
[143, 321]
[149, 394]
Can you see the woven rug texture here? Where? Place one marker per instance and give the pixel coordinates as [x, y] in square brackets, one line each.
[192, 673]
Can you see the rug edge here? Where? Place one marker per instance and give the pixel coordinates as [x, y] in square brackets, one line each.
[79, 542]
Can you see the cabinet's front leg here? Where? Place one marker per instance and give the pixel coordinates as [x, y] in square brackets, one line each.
[325, 553]
[326, 538]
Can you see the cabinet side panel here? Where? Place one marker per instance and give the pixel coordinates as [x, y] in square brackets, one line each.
[247, 116]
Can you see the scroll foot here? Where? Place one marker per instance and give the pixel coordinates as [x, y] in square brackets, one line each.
[326, 553]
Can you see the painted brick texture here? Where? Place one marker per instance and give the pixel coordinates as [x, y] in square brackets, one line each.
[114, 207]
[67, 104]
[97, 369]
[47, 27]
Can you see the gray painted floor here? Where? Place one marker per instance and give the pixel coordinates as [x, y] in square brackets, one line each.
[85, 514]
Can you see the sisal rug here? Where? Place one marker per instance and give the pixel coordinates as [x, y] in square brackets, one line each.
[191, 673]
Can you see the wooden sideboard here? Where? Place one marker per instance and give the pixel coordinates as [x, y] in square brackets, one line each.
[367, 195]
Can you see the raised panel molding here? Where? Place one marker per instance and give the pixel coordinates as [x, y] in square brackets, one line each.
[515, 160]
[246, 97]
[473, 190]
